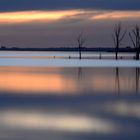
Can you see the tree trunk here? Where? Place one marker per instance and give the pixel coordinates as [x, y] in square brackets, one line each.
[137, 56]
[80, 55]
[116, 53]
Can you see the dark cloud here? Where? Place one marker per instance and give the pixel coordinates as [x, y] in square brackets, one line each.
[17, 5]
[63, 33]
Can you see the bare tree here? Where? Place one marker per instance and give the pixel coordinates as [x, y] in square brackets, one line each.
[118, 36]
[135, 38]
[81, 41]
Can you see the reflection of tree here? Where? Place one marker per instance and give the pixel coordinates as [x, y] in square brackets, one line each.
[79, 73]
[117, 82]
[137, 79]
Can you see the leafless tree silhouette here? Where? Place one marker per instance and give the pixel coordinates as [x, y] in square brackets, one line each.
[135, 38]
[118, 36]
[81, 41]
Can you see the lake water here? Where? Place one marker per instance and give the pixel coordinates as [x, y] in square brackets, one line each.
[68, 101]
[58, 54]
[69, 81]
[66, 59]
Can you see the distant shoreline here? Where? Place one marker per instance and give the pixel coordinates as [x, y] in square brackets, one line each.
[125, 50]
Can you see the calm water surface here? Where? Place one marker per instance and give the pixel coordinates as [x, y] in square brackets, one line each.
[61, 54]
[38, 103]
[69, 81]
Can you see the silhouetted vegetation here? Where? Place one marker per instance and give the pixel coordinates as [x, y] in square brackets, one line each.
[81, 41]
[85, 49]
[135, 38]
[118, 37]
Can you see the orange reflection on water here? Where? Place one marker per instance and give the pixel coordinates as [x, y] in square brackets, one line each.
[27, 82]
[63, 81]
[101, 84]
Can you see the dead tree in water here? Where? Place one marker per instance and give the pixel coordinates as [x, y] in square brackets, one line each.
[81, 41]
[135, 38]
[118, 37]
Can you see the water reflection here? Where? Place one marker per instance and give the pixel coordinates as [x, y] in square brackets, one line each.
[33, 81]
[79, 73]
[137, 79]
[63, 81]
[80, 111]
[117, 81]
[51, 121]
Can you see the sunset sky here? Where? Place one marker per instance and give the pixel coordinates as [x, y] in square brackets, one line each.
[56, 23]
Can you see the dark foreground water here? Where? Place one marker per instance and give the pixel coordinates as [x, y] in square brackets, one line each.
[69, 103]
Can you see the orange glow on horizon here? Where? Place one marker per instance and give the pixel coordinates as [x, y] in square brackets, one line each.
[48, 16]
[30, 16]
[117, 15]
